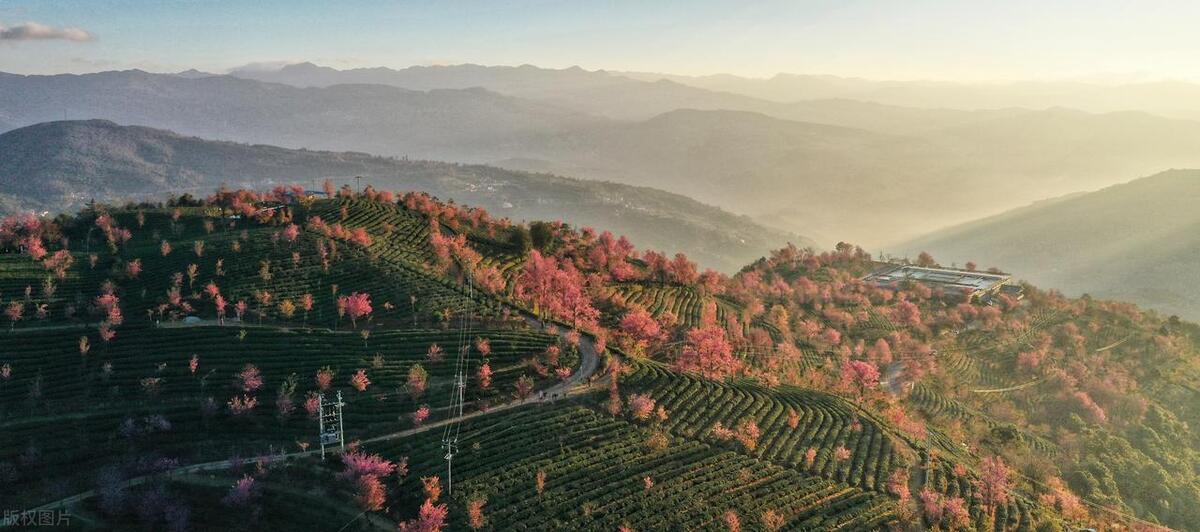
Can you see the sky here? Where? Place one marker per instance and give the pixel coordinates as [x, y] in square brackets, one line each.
[882, 39]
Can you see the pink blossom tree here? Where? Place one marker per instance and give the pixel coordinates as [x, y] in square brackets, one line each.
[420, 415]
[641, 406]
[430, 518]
[485, 376]
[994, 483]
[244, 492]
[324, 378]
[360, 381]
[434, 354]
[708, 353]
[860, 376]
[417, 381]
[249, 379]
[641, 330]
[357, 305]
[358, 464]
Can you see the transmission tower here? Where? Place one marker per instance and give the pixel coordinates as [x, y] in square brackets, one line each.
[331, 423]
[458, 391]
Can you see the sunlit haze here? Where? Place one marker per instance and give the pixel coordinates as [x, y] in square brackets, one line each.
[1105, 40]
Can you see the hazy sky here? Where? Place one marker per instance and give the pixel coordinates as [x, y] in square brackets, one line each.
[902, 39]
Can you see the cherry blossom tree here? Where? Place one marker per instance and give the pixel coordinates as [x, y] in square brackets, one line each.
[432, 487]
[430, 518]
[897, 484]
[420, 415]
[357, 305]
[370, 494]
[555, 289]
[641, 329]
[360, 381]
[435, 353]
[475, 517]
[249, 379]
[324, 378]
[859, 375]
[942, 510]
[772, 521]
[357, 464]
[540, 482]
[880, 353]
[524, 387]
[220, 304]
[312, 405]
[793, 419]
[240, 405]
[641, 406]
[907, 314]
[291, 232]
[417, 381]
[682, 270]
[748, 434]
[924, 259]
[485, 376]
[244, 492]
[994, 483]
[841, 453]
[732, 522]
[14, 312]
[708, 353]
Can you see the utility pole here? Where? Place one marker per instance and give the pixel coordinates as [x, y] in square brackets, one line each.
[458, 393]
[330, 421]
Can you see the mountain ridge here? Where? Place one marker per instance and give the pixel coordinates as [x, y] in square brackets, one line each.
[1100, 242]
[43, 166]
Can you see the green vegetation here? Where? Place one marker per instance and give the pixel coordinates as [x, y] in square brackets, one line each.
[164, 361]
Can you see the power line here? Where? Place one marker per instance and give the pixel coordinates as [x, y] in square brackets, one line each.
[458, 390]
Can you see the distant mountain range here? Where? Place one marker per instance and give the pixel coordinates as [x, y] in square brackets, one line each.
[61, 165]
[1176, 99]
[830, 169]
[1138, 242]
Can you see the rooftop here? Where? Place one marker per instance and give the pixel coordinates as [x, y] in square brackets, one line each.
[960, 279]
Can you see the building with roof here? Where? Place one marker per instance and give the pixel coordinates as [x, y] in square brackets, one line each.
[974, 286]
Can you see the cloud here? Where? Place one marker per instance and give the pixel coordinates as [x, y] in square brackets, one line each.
[32, 31]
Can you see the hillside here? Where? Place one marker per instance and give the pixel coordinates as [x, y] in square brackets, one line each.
[1105, 243]
[830, 169]
[605, 386]
[853, 184]
[60, 166]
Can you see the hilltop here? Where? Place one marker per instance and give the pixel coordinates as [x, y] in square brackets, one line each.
[60, 166]
[1133, 242]
[622, 387]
